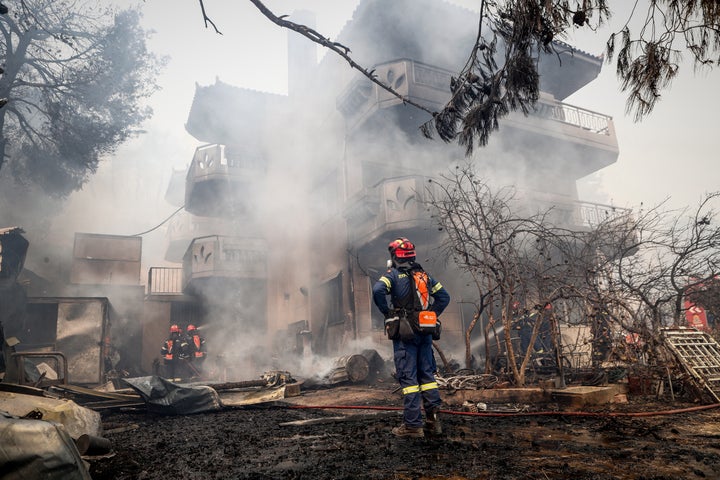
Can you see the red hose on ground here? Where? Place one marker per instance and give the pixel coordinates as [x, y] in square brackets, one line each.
[518, 414]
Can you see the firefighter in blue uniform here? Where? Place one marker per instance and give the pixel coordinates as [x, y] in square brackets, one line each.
[173, 352]
[414, 360]
[198, 349]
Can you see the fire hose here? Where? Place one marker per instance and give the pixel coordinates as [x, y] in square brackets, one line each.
[515, 414]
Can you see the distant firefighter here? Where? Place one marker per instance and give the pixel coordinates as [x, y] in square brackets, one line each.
[197, 347]
[175, 352]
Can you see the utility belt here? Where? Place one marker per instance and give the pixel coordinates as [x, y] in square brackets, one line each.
[403, 324]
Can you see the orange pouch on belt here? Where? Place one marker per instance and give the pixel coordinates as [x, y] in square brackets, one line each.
[427, 320]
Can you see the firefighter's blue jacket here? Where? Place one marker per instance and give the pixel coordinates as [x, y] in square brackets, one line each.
[397, 284]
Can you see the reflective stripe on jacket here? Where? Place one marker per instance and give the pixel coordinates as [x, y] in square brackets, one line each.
[167, 350]
[397, 284]
[199, 343]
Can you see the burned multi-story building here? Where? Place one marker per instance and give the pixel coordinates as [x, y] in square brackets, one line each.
[290, 201]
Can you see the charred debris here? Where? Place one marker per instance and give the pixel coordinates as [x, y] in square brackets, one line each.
[61, 368]
[80, 360]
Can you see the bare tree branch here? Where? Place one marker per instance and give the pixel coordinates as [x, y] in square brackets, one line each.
[336, 47]
[207, 19]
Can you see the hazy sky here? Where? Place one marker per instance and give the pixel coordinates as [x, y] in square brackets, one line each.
[671, 153]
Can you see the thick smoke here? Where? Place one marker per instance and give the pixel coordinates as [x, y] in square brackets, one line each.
[310, 169]
[297, 203]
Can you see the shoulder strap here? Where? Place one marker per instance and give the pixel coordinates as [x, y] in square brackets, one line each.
[418, 296]
[407, 301]
[420, 287]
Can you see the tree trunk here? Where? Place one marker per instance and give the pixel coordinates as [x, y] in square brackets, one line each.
[442, 356]
[468, 331]
[518, 374]
[13, 61]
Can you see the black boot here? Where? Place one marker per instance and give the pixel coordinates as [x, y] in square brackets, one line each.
[432, 423]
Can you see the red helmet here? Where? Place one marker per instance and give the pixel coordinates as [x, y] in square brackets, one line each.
[191, 328]
[174, 329]
[402, 248]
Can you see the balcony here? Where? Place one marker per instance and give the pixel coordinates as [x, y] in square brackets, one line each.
[592, 214]
[560, 136]
[393, 204]
[221, 180]
[617, 238]
[165, 281]
[224, 258]
[565, 211]
[184, 227]
[421, 83]
[378, 33]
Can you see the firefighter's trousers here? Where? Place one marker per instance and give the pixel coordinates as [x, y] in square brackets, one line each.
[415, 367]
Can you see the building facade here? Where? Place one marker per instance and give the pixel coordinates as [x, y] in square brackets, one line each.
[290, 201]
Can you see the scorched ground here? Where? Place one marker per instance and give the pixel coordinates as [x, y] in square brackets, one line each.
[285, 441]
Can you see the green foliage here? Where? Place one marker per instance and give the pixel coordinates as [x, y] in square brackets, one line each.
[647, 63]
[75, 77]
[501, 73]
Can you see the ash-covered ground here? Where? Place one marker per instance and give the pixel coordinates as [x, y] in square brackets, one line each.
[271, 442]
